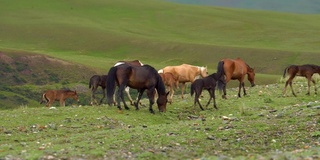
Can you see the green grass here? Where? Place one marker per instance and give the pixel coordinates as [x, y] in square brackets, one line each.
[98, 33]
[262, 124]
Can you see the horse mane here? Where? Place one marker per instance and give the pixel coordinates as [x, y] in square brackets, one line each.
[159, 84]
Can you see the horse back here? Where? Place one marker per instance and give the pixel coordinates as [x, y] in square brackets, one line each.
[235, 68]
[184, 72]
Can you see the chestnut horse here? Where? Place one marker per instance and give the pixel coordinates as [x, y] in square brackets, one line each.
[94, 83]
[185, 73]
[171, 81]
[133, 63]
[208, 83]
[306, 70]
[235, 69]
[58, 95]
[138, 77]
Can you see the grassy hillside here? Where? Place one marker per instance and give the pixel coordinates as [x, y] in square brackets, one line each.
[262, 125]
[294, 6]
[98, 33]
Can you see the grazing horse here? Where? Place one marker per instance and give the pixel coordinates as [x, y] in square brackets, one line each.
[185, 73]
[171, 81]
[138, 77]
[306, 70]
[94, 83]
[235, 69]
[58, 95]
[133, 63]
[208, 83]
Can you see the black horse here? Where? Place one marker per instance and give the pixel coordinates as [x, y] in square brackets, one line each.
[138, 77]
[94, 83]
[208, 83]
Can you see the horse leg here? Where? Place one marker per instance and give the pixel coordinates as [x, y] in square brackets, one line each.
[93, 98]
[62, 103]
[151, 99]
[292, 89]
[104, 95]
[240, 85]
[140, 93]
[198, 93]
[120, 96]
[128, 94]
[182, 90]
[315, 87]
[244, 90]
[210, 92]
[285, 88]
[309, 79]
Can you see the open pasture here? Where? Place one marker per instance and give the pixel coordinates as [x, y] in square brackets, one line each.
[262, 125]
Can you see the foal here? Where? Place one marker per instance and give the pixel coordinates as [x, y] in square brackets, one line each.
[58, 95]
[208, 83]
[306, 70]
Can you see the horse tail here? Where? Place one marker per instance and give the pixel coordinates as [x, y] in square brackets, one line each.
[220, 75]
[220, 69]
[285, 71]
[43, 98]
[192, 89]
[111, 84]
[90, 83]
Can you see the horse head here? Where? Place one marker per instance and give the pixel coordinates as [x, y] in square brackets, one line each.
[203, 72]
[162, 102]
[75, 96]
[251, 75]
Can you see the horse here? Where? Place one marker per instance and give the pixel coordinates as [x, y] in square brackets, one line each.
[94, 83]
[138, 77]
[58, 95]
[306, 70]
[171, 81]
[133, 63]
[235, 69]
[208, 83]
[185, 73]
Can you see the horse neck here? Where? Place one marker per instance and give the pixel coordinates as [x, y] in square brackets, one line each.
[199, 71]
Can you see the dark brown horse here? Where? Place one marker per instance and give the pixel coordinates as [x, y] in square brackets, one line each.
[306, 70]
[208, 83]
[94, 83]
[171, 81]
[235, 69]
[140, 78]
[132, 63]
[58, 95]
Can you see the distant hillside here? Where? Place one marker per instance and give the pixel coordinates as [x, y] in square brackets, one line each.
[25, 76]
[294, 6]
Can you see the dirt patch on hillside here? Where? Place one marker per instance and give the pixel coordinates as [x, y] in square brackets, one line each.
[21, 68]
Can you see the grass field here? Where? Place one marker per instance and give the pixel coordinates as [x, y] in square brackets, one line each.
[262, 125]
[83, 38]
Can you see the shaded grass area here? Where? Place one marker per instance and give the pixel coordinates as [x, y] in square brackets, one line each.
[263, 124]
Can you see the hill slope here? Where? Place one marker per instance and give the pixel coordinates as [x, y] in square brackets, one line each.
[294, 6]
[97, 33]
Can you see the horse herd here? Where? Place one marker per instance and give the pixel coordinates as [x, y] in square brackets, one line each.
[134, 74]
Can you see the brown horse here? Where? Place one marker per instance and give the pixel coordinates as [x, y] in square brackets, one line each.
[133, 63]
[58, 95]
[208, 83]
[306, 70]
[171, 81]
[185, 73]
[138, 77]
[94, 83]
[235, 69]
